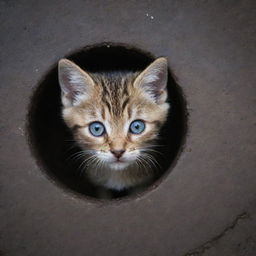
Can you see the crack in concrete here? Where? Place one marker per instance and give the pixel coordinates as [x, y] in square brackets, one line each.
[200, 250]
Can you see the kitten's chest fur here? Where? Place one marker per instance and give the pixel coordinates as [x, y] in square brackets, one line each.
[118, 180]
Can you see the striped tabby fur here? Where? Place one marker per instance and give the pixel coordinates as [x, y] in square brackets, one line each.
[115, 99]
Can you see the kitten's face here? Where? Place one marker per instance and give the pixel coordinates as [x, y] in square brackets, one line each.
[114, 117]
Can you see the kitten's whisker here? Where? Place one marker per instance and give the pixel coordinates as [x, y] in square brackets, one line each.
[79, 154]
[152, 160]
[86, 151]
[75, 157]
[154, 145]
[92, 160]
[86, 162]
[151, 150]
[142, 161]
[80, 167]
[136, 163]
[139, 163]
[98, 164]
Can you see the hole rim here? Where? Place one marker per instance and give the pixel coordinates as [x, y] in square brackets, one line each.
[54, 179]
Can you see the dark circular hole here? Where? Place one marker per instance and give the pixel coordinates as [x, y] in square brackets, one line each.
[51, 140]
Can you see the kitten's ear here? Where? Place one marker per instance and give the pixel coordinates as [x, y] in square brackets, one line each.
[75, 83]
[153, 80]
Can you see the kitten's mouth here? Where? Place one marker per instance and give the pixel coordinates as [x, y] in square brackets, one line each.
[119, 161]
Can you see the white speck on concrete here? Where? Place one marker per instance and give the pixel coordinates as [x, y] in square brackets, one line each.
[150, 16]
[21, 131]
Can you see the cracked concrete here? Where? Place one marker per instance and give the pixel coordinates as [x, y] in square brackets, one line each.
[202, 249]
[237, 239]
[197, 208]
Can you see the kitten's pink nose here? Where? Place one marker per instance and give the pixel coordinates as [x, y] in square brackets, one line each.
[117, 153]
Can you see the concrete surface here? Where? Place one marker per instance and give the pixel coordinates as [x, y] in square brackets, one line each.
[206, 206]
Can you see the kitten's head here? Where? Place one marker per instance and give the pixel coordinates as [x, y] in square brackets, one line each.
[114, 117]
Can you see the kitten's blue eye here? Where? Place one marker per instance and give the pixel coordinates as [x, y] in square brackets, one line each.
[137, 127]
[97, 129]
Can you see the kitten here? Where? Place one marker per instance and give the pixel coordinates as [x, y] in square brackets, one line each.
[115, 118]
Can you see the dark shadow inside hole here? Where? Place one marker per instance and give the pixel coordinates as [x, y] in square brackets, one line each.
[51, 140]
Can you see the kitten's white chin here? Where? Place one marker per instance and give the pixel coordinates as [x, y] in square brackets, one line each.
[118, 166]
